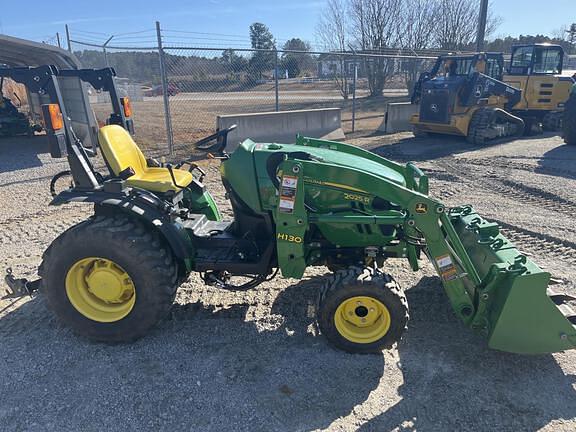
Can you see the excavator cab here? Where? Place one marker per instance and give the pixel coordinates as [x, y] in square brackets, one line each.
[537, 69]
[536, 59]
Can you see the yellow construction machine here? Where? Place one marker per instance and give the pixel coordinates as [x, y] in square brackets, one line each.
[535, 72]
[536, 69]
[465, 95]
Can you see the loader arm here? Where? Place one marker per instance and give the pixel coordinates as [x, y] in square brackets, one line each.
[424, 215]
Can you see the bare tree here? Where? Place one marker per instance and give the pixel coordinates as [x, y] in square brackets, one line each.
[418, 20]
[457, 24]
[375, 26]
[566, 36]
[333, 33]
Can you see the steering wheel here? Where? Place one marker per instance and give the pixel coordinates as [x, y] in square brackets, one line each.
[221, 138]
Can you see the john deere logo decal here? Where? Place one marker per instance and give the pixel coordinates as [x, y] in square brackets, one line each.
[421, 208]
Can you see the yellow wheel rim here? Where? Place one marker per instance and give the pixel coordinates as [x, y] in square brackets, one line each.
[100, 289]
[362, 319]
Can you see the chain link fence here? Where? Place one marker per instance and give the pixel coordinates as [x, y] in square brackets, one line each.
[178, 89]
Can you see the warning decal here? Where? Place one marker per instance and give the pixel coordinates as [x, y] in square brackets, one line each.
[286, 205]
[289, 182]
[446, 267]
[288, 194]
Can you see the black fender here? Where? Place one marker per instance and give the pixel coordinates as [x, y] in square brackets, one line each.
[142, 205]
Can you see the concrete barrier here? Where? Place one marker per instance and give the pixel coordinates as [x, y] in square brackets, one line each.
[283, 126]
[397, 118]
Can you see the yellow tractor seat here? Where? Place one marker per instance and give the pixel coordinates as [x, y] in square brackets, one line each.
[121, 152]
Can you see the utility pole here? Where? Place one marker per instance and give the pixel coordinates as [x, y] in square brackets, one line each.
[482, 25]
[58, 39]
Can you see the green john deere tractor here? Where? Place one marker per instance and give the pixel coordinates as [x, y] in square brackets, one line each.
[311, 203]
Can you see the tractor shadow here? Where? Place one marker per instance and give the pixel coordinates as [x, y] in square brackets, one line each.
[205, 368]
[211, 367]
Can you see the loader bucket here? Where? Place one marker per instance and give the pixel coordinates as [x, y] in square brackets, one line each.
[516, 309]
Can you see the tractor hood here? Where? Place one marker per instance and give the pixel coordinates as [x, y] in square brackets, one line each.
[252, 166]
[262, 153]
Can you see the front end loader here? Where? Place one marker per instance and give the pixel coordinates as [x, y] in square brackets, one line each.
[113, 276]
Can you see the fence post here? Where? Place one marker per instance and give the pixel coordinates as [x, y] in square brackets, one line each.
[68, 38]
[354, 78]
[165, 95]
[276, 78]
[105, 52]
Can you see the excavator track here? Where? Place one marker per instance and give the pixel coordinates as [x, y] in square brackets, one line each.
[484, 127]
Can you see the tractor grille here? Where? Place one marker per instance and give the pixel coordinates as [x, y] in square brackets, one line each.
[434, 106]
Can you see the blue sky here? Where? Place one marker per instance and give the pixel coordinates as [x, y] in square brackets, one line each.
[40, 20]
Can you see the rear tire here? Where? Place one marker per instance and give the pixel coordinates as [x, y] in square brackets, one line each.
[135, 252]
[356, 294]
[569, 120]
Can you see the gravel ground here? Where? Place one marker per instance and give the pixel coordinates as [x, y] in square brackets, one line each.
[253, 361]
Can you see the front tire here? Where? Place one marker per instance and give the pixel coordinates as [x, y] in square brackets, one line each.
[362, 311]
[110, 279]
